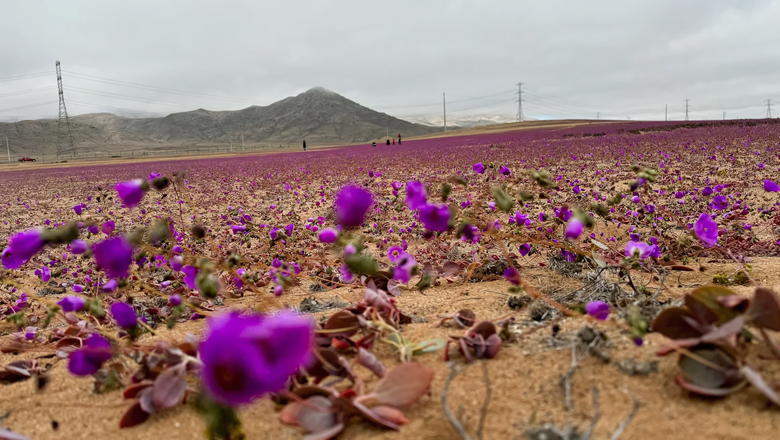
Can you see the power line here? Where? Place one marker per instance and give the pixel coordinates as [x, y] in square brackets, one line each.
[128, 84]
[126, 97]
[24, 92]
[25, 106]
[29, 75]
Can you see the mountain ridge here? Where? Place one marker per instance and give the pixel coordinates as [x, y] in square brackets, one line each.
[318, 115]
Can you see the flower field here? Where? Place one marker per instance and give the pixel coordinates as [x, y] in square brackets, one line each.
[597, 281]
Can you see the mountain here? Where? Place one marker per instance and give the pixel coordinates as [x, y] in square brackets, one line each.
[319, 116]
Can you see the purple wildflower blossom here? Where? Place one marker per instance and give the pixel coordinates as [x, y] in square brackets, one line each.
[435, 218]
[352, 203]
[598, 310]
[246, 357]
[71, 303]
[574, 229]
[706, 229]
[114, 256]
[329, 235]
[78, 246]
[416, 195]
[131, 192]
[512, 275]
[124, 315]
[478, 168]
[22, 247]
[88, 359]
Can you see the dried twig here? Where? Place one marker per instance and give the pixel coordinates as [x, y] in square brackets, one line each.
[454, 371]
[488, 394]
[619, 431]
[566, 378]
[596, 415]
[770, 343]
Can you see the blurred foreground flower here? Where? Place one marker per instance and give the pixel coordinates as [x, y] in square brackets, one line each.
[88, 359]
[114, 256]
[245, 357]
[351, 205]
[598, 310]
[131, 192]
[22, 247]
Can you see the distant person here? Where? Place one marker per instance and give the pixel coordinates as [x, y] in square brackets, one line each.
[393, 141]
[399, 138]
[373, 144]
[304, 145]
[388, 142]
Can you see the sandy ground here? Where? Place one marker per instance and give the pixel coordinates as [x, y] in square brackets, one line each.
[524, 380]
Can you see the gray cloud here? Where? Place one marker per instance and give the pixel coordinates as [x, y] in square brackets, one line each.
[576, 58]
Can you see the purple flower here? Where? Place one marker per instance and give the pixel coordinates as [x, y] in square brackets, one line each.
[471, 233]
[190, 272]
[574, 229]
[492, 206]
[110, 286]
[638, 249]
[435, 218]
[345, 273]
[478, 168]
[719, 202]
[153, 176]
[329, 235]
[278, 290]
[394, 253]
[78, 209]
[22, 247]
[524, 249]
[71, 303]
[679, 194]
[108, 227]
[598, 310]
[176, 262]
[351, 205]
[114, 256]
[403, 271]
[706, 191]
[78, 246]
[289, 229]
[706, 229]
[45, 274]
[175, 299]
[512, 275]
[93, 229]
[78, 288]
[238, 229]
[131, 192]
[124, 315]
[649, 209]
[274, 233]
[415, 195]
[246, 357]
[88, 359]
[504, 170]
[177, 250]
[770, 186]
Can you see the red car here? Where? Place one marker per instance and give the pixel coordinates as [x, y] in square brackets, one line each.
[26, 159]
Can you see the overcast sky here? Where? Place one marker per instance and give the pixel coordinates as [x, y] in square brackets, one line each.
[575, 58]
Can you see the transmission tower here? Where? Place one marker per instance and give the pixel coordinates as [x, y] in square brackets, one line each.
[63, 123]
[686, 109]
[519, 102]
[769, 108]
